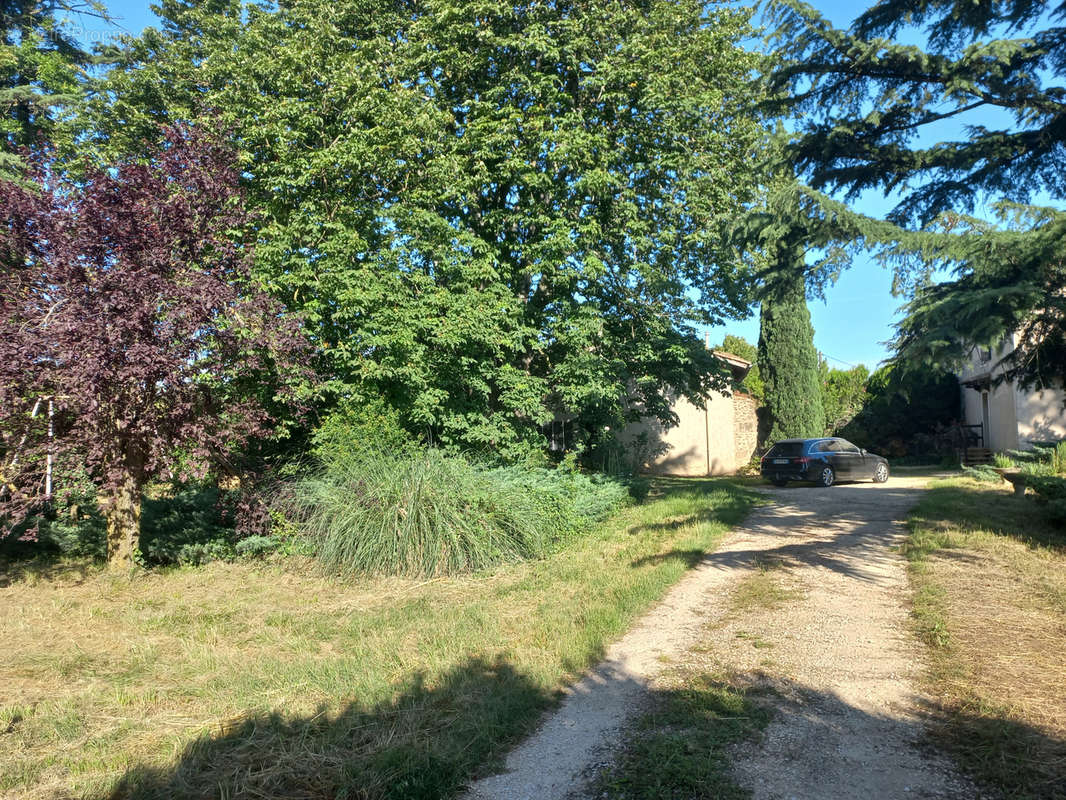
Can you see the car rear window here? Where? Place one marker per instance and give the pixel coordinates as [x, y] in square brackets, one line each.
[786, 450]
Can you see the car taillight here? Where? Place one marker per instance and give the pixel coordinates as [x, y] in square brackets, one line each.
[803, 460]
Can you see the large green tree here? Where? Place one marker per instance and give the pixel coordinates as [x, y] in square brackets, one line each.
[973, 113]
[42, 71]
[788, 364]
[490, 214]
[905, 411]
[844, 394]
[739, 346]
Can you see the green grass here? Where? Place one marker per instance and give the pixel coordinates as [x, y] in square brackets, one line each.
[270, 679]
[680, 748]
[762, 589]
[988, 571]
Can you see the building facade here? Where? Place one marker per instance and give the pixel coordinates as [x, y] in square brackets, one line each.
[1003, 415]
[717, 439]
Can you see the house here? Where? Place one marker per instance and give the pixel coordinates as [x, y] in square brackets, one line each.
[718, 439]
[1004, 416]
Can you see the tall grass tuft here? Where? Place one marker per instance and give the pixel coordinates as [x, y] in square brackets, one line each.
[431, 514]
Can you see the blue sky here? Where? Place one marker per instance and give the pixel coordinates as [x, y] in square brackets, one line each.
[850, 326]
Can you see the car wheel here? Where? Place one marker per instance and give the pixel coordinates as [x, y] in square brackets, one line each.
[779, 482]
[826, 476]
[881, 473]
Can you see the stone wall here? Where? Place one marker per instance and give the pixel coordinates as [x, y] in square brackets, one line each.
[745, 428]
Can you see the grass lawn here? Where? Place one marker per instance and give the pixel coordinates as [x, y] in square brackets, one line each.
[267, 679]
[989, 573]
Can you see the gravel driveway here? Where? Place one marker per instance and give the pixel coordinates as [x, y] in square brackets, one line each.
[844, 666]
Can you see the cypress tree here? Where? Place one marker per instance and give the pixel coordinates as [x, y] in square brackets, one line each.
[788, 364]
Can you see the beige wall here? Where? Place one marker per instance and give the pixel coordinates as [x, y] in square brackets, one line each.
[1016, 417]
[1002, 417]
[1041, 415]
[704, 442]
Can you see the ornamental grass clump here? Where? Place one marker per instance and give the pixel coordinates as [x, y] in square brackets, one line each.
[430, 514]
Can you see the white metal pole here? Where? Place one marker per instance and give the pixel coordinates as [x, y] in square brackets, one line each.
[48, 468]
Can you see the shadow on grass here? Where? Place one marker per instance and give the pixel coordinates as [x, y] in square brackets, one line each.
[704, 737]
[728, 510]
[690, 558]
[679, 748]
[47, 568]
[1004, 754]
[425, 743]
[1024, 519]
[430, 741]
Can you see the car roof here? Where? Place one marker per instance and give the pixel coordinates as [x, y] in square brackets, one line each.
[795, 441]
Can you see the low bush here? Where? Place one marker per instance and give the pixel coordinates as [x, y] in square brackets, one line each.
[180, 525]
[360, 426]
[983, 473]
[186, 527]
[1003, 461]
[1051, 490]
[428, 513]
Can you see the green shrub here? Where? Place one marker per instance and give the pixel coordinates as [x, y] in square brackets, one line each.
[358, 426]
[75, 530]
[983, 473]
[186, 527]
[1056, 511]
[1048, 487]
[429, 513]
[1003, 461]
[1050, 490]
[257, 545]
[639, 488]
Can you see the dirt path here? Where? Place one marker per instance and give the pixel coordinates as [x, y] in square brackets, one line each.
[846, 722]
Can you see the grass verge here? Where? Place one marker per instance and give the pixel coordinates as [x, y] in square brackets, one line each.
[269, 679]
[989, 576]
[680, 749]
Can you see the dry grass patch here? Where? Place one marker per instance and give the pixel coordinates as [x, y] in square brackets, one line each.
[766, 587]
[270, 680]
[989, 572]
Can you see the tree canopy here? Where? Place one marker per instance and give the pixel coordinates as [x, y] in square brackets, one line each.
[739, 346]
[490, 215]
[42, 72]
[906, 412]
[879, 114]
[126, 304]
[844, 394]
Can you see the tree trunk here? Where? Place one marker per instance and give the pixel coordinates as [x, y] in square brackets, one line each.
[121, 507]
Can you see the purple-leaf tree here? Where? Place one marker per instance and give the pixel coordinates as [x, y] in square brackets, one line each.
[128, 312]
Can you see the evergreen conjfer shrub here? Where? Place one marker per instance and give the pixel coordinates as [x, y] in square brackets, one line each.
[427, 513]
[184, 524]
[983, 473]
[788, 364]
[187, 527]
[1051, 491]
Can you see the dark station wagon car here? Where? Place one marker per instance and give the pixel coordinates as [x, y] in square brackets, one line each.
[821, 461]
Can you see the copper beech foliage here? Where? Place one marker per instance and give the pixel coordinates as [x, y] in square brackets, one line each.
[125, 299]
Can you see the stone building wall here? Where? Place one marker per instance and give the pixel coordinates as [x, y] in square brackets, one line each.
[745, 427]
